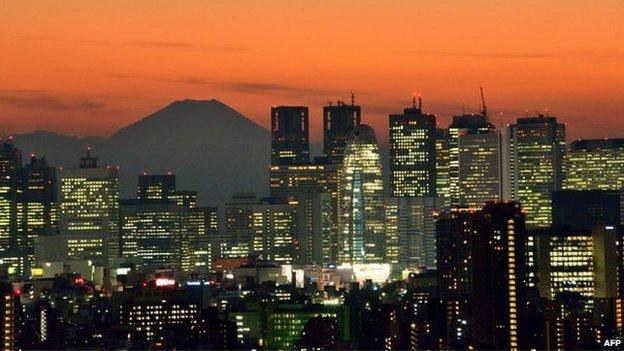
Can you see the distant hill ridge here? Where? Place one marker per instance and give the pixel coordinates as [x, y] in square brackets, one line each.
[211, 147]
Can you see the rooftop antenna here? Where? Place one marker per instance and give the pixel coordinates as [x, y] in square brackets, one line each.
[419, 102]
[352, 97]
[483, 106]
[414, 100]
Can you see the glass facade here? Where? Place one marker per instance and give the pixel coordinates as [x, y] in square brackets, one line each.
[361, 236]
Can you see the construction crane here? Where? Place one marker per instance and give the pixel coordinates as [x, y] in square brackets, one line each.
[484, 112]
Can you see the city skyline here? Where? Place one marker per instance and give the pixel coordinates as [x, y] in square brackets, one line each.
[94, 81]
[311, 176]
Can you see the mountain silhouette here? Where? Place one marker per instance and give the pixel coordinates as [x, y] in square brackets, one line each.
[211, 148]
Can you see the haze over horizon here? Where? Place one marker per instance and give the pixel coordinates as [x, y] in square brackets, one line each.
[91, 69]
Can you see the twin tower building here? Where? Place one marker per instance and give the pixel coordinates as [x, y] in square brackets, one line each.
[344, 214]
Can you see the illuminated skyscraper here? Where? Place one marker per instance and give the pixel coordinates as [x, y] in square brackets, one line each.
[10, 164]
[39, 198]
[443, 160]
[237, 235]
[203, 248]
[533, 165]
[290, 141]
[413, 153]
[315, 224]
[37, 209]
[27, 207]
[465, 164]
[410, 223]
[479, 163]
[287, 181]
[165, 228]
[578, 261]
[361, 235]
[264, 226]
[595, 165]
[499, 268]
[292, 181]
[90, 211]
[481, 274]
[153, 231]
[273, 230]
[338, 122]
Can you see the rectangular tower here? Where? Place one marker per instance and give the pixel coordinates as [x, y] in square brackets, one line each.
[595, 165]
[499, 266]
[90, 211]
[479, 167]
[338, 122]
[413, 153]
[315, 224]
[535, 149]
[290, 141]
[410, 223]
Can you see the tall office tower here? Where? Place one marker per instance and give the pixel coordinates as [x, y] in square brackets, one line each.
[263, 226]
[360, 203]
[152, 231]
[237, 234]
[287, 181]
[204, 247]
[165, 228]
[315, 223]
[391, 229]
[156, 186]
[410, 222]
[533, 165]
[413, 153]
[273, 230]
[443, 163]
[10, 164]
[290, 139]
[499, 267]
[90, 211]
[338, 122]
[38, 202]
[466, 128]
[594, 216]
[595, 165]
[479, 173]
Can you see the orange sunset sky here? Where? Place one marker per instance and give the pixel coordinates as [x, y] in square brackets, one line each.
[91, 67]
